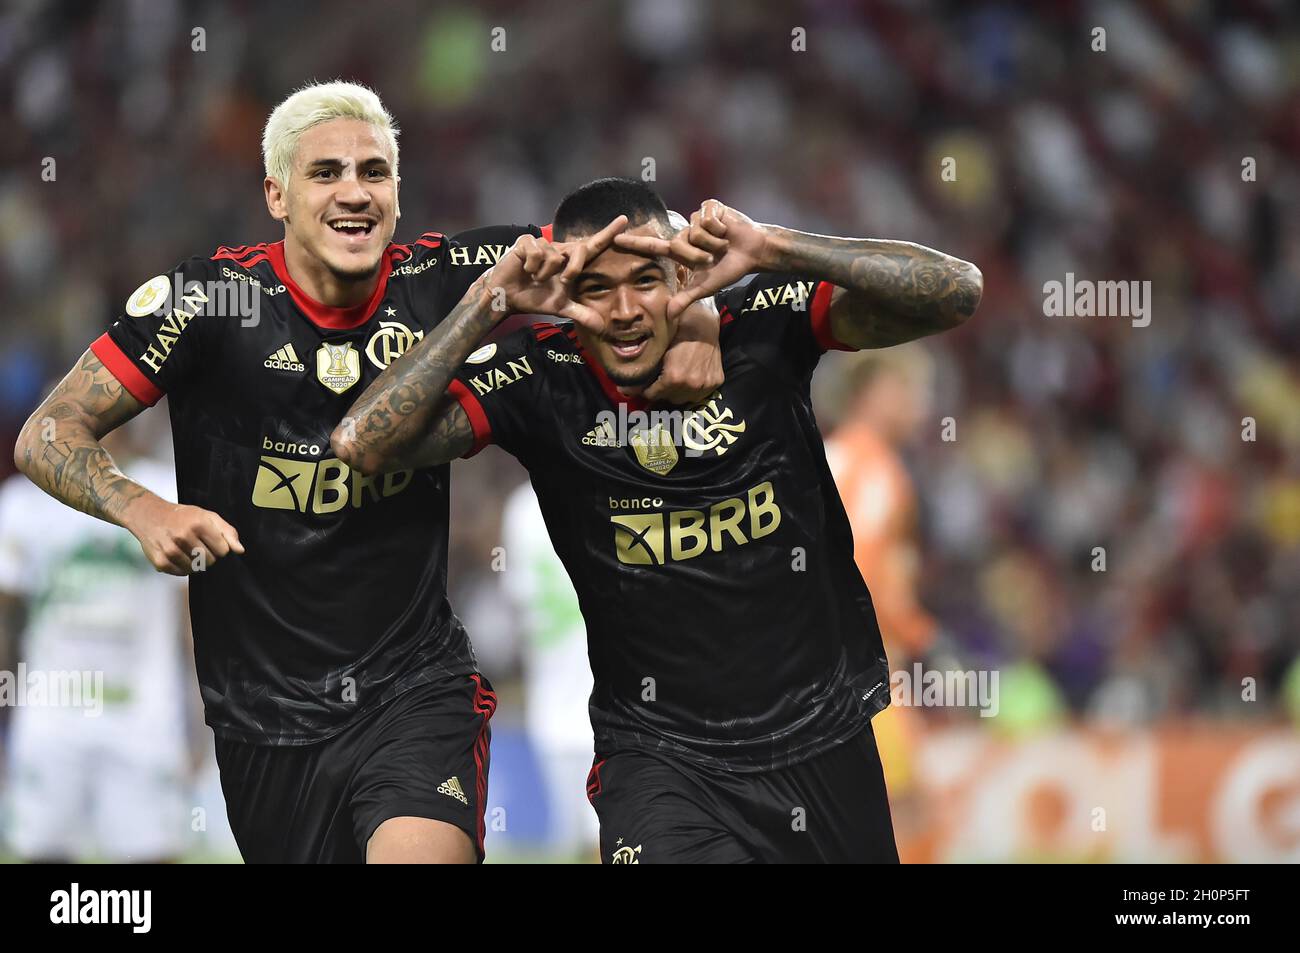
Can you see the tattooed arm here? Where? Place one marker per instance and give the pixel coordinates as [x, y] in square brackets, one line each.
[405, 419]
[886, 292]
[58, 449]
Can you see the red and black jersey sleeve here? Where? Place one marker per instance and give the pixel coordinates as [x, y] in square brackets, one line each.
[154, 347]
[500, 388]
[786, 315]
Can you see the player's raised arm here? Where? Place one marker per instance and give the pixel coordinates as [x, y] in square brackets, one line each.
[887, 292]
[58, 449]
[405, 418]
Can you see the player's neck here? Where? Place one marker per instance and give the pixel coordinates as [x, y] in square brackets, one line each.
[320, 283]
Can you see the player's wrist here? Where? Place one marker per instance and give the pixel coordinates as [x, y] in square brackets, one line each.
[147, 509]
[777, 252]
[494, 296]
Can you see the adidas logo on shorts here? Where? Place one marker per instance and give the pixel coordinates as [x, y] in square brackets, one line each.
[602, 435]
[285, 359]
[451, 787]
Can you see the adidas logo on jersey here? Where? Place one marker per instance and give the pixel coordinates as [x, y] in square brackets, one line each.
[451, 787]
[602, 435]
[285, 359]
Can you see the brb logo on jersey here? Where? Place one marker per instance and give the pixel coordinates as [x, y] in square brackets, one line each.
[318, 486]
[653, 539]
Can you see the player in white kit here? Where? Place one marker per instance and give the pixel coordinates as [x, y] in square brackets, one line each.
[99, 772]
[557, 675]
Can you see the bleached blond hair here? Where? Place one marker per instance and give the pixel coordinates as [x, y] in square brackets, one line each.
[314, 104]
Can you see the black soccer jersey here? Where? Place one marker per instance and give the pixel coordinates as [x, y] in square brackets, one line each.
[339, 602]
[713, 560]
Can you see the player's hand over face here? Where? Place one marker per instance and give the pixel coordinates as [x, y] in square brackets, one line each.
[536, 274]
[180, 540]
[719, 246]
[692, 368]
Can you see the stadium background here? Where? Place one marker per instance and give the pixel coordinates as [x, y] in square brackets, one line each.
[1120, 688]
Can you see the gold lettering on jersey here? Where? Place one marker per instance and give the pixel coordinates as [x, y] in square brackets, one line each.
[338, 367]
[790, 294]
[321, 486]
[169, 330]
[654, 449]
[652, 539]
[706, 428]
[478, 255]
[496, 378]
[390, 342]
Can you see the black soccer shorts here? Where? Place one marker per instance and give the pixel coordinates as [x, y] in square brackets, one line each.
[423, 754]
[660, 809]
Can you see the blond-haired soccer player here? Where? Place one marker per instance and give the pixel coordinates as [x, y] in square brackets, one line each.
[351, 721]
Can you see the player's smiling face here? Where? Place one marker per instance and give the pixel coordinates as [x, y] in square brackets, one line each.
[340, 207]
[631, 294]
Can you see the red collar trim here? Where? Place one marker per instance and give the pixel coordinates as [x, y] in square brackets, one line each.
[616, 397]
[323, 315]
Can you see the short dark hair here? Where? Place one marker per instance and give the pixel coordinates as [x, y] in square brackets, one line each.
[591, 207]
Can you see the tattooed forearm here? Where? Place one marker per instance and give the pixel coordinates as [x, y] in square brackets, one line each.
[450, 436]
[58, 448]
[402, 418]
[893, 291]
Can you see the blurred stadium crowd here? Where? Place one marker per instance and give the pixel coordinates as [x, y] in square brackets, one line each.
[1067, 433]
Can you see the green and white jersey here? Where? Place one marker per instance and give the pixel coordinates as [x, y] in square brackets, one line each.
[102, 624]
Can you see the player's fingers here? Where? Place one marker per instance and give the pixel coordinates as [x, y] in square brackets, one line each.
[689, 254]
[684, 298]
[552, 263]
[647, 245]
[519, 251]
[200, 558]
[714, 225]
[163, 564]
[533, 257]
[175, 560]
[701, 237]
[521, 246]
[575, 261]
[605, 237]
[232, 538]
[583, 315]
[712, 209]
[212, 539]
[228, 532]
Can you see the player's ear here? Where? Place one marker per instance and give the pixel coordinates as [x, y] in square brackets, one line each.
[277, 203]
[397, 197]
